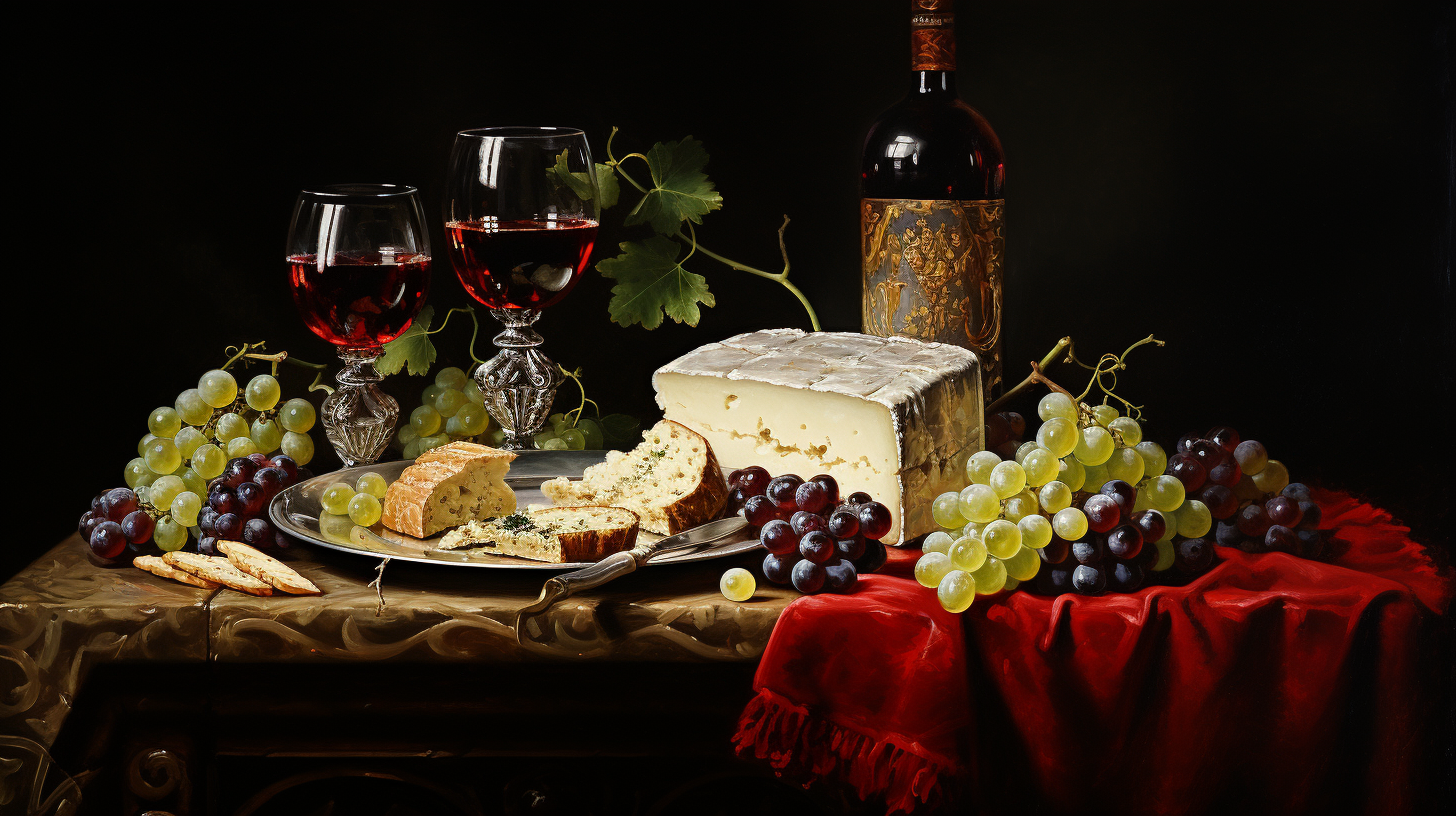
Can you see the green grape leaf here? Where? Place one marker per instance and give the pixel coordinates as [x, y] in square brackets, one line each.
[681, 190]
[411, 350]
[650, 281]
[607, 184]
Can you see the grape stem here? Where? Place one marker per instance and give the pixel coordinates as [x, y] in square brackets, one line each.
[1036, 376]
[575, 376]
[378, 584]
[253, 351]
[691, 238]
[1108, 365]
[474, 332]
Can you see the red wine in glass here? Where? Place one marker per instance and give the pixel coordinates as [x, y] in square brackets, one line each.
[523, 264]
[359, 300]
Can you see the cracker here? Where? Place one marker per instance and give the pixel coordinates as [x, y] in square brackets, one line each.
[268, 569]
[156, 566]
[218, 569]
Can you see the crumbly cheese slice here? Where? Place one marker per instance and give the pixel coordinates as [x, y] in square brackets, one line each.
[894, 417]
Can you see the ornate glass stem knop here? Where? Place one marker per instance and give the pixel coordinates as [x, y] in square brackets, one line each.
[359, 417]
[520, 382]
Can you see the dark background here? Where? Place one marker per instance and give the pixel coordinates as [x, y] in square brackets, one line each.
[1266, 186]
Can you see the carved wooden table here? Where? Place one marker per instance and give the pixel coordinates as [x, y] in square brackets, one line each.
[124, 690]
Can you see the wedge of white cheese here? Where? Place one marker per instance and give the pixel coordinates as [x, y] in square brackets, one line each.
[894, 417]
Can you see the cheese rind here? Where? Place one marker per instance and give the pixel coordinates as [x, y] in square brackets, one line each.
[892, 416]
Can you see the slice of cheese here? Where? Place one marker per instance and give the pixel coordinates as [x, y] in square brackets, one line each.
[894, 417]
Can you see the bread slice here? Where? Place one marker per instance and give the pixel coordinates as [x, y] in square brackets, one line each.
[671, 480]
[266, 568]
[156, 566]
[219, 570]
[450, 485]
[555, 534]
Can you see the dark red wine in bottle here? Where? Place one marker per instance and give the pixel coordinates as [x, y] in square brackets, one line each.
[359, 301]
[931, 207]
[520, 264]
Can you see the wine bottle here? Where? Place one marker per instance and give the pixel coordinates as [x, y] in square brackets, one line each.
[931, 207]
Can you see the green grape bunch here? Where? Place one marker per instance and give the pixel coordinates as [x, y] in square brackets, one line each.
[451, 408]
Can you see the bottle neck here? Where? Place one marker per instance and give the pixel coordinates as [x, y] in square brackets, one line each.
[932, 45]
[933, 83]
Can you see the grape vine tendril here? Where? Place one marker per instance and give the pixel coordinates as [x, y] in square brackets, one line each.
[1107, 365]
[693, 245]
[575, 376]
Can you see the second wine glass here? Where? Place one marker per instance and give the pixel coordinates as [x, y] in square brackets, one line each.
[521, 216]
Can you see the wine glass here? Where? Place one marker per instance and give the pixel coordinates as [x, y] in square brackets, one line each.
[521, 217]
[359, 267]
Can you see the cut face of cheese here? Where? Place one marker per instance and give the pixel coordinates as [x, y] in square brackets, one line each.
[891, 416]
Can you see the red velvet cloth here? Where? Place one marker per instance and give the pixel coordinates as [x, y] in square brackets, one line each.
[1270, 682]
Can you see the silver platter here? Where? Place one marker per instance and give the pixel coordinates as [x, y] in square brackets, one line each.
[297, 512]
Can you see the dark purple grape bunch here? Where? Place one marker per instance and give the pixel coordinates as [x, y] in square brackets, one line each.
[1004, 432]
[816, 541]
[237, 503]
[115, 523]
[1254, 505]
[1116, 553]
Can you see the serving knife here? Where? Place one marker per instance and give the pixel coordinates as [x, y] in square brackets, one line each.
[618, 564]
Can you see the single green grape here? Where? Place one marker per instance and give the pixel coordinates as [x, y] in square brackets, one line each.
[165, 489]
[217, 388]
[938, 541]
[1095, 477]
[195, 482]
[1070, 523]
[411, 449]
[972, 528]
[1194, 519]
[1094, 445]
[1058, 435]
[1071, 473]
[426, 420]
[496, 436]
[979, 503]
[1056, 404]
[188, 440]
[297, 446]
[737, 585]
[980, 465]
[230, 427]
[1011, 584]
[192, 409]
[429, 443]
[364, 509]
[1055, 496]
[990, 576]
[297, 415]
[1040, 467]
[574, 439]
[240, 447]
[134, 471]
[473, 393]
[1103, 414]
[1165, 555]
[371, 483]
[266, 434]
[1002, 538]
[1155, 461]
[1017, 508]
[185, 507]
[931, 567]
[164, 421]
[956, 591]
[427, 396]
[557, 419]
[262, 392]
[968, 553]
[1170, 525]
[209, 460]
[556, 443]
[407, 434]
[1023, 449]
[162, 456]
[945, 510]
[336, 497]
[1036, 531]
[469, 420]
[1129, 429]
[1165, 493]
[1272, 478]
[448, 401]
[1023, 565]
[144, 443]
[145, 480]
[542, 437]
[452, 377]
[593, 431]
[169, 536]
[1126, 464]
[1007, 479]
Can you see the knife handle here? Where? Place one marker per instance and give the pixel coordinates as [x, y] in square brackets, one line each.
[563, 586]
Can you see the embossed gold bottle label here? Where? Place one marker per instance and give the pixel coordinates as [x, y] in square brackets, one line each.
[932, 35]
[932, 270]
